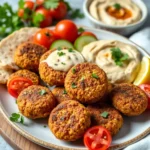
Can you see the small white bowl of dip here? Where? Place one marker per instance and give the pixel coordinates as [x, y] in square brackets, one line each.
[123, 29]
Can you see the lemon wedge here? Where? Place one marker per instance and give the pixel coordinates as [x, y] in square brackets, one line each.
[144, 72]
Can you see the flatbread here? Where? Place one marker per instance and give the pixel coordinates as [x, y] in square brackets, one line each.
[9, 45]
[4, 75]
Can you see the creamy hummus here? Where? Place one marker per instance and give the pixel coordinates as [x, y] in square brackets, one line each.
[99, 52]
[64, 59]
[98, 10]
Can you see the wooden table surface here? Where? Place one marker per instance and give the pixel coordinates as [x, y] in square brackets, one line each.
[17, 141]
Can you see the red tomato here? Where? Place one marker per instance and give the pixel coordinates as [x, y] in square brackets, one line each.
[39, 2]
[67, 30]
[146, 89]
[47, 18]
[44, 37]
[27, 4]
[88, 33]
[97, 138]
[60, 12]
[16, 85]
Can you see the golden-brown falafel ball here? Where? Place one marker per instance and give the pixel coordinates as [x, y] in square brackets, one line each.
[86, 82]
[129, 99]
[27, 55]
[69, 120]
[106, 116]
[60, 94]
[36, 102]
[26, 74]
[48, 74]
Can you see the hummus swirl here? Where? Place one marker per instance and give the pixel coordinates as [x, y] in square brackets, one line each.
[99, 52]
[98, 10]
[64, 59]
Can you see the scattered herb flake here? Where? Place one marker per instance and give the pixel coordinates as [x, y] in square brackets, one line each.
[81, 30]
[64, 91]
[73, 85]
[16, 117]
[63, 63]
[118, 56]
[59, 48]
[94, 75]
[51, 4]
[44, 126]
[105, 114]
[42, 92]
[73, 70]
[70, 50]
[117, 6]
[60, 53]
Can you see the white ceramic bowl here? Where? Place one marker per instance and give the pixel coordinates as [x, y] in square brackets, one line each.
[124, 30]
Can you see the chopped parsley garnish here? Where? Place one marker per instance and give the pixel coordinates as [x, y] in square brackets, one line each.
[73, 85]
[76, 13]
[63, 63]
[70, 50]
[64, 92]
[59, 48]
[117, 6]
[81, 30]
[73, 70]
[105, 114]
[60, 53]
[42, 92]
[94, 75]
[118, 56]
[16, 117]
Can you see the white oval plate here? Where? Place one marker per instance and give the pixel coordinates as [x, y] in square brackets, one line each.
[134, 128]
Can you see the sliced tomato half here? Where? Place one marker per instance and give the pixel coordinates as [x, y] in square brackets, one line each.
[97, 138]
[16, 85]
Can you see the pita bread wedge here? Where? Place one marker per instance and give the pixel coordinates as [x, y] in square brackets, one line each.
[10, 43]
[4, 75]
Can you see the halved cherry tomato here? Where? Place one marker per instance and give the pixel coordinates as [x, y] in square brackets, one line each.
[27, 4]
[88, 33]
[44, 37]
[60, 12]
[97, 138]
[67, 30]
[16, 85]
[47, 18]
[146, 89]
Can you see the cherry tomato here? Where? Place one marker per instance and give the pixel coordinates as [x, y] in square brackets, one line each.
[88, 33]
[67, 30]
[60, 12]
[16, 85]
[39, 2]
[27, 4]
[146, 89]
[97, 138]
[44, 37]
[47, 18]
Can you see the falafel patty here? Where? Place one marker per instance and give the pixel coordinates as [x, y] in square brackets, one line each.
[69, 120]
[106, 116]
[86, 82]
[60, 94]
[129, 99]
[36, 102]
[26, 74]
[27, 55]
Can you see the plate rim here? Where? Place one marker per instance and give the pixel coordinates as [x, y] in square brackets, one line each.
[50, 145]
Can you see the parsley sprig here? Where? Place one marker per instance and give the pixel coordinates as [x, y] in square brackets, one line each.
[118, 56]
[16, 117]
[104, 114]
[117, 6]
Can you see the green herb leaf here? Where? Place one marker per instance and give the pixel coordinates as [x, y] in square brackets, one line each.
[64, 92]
[59, 48]
[117, 6]
[105, 114]
[37, 19]
[81, 30]
[68, 6]
[73, 85]
[95, 76]
[22, 120]
[70, 50]
[21, 3]
[60, 53]
[118, 56]
[51, 4]
[42, 92]
[76, 14]
[73, 70]
[16, 117]
[63, 63]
